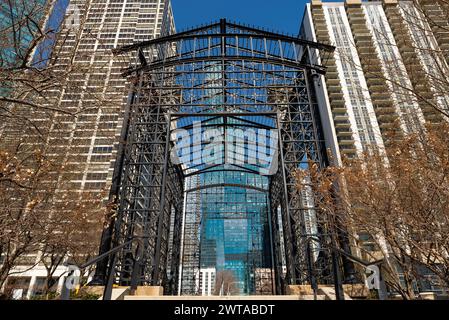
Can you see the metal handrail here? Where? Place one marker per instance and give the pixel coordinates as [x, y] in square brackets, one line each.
[107, 293]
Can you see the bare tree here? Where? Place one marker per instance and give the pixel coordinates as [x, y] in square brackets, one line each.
[21, 208]
[225, 283]
[39, 68]
[399, 205]
[33, 221]
[72, 235]
[41, 208]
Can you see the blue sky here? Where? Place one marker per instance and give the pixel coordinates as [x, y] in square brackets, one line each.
[278, 15]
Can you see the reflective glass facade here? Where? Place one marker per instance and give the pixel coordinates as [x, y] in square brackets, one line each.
[233, 234]
[234, 230]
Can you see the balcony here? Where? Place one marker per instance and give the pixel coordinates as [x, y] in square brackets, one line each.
[333, 82]
[342, 125]
[344, 133]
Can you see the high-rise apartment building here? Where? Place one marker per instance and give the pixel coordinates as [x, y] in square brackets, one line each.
[386, 73]
[86, 134]
[105, 25]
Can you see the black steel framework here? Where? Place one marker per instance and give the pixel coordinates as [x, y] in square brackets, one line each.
[224, 75]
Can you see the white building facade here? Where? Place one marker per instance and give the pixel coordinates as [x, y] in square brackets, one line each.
[370, 83]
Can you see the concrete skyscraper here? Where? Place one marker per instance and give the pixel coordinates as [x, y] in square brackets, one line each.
[387, 70]
[388, 75]
[86, 133]
[105, 25]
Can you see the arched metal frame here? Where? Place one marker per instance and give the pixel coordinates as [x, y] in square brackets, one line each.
[222, 75]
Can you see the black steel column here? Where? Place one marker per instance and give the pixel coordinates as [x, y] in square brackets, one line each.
[101, 267]
[155, 279]
[291, 261]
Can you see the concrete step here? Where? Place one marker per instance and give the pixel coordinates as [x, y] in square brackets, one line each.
[118, 293]
[330, 293]
[311, 297]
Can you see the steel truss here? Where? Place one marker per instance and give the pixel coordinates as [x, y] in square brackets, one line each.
[223, 76]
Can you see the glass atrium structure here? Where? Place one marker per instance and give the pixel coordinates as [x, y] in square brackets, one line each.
[219, 119]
